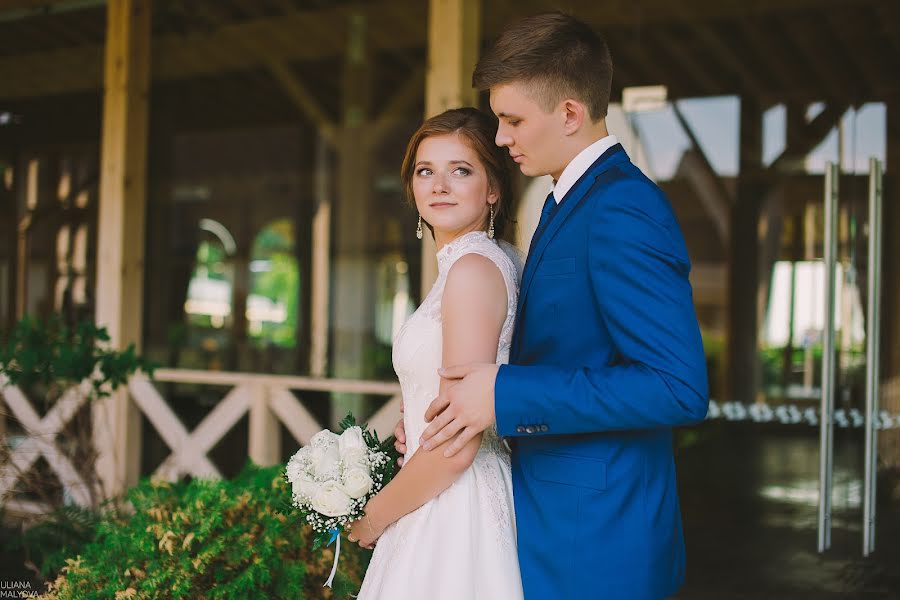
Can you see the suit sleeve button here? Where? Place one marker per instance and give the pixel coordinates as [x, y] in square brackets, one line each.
[529, 429]
[545, 428]
[520, 429]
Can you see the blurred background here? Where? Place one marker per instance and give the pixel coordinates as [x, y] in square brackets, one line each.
[218, 182]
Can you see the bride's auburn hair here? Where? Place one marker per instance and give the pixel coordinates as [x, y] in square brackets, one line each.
[478, 129]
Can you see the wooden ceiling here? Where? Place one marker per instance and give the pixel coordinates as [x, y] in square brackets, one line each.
[217, 55]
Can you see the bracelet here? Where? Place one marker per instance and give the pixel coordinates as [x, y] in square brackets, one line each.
[369, 525]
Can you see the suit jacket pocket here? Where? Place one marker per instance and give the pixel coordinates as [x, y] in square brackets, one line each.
[556, 267]
[571, 470]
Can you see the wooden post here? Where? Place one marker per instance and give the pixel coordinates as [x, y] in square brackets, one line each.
[321, 261]
[120, 240]
[353, 273]
[265, 429]
[27, 205]
[743, 271]
[454, 32]
[889, 439]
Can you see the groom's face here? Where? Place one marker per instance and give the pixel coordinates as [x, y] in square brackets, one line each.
[532, 135]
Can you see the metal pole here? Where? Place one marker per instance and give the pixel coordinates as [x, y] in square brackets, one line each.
[873, 323]
[826, 432]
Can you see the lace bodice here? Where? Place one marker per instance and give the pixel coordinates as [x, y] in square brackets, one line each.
[417, 347]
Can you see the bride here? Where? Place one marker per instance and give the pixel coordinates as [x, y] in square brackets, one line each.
[445, 527]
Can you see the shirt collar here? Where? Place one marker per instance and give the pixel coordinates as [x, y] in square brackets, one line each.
[580, 164]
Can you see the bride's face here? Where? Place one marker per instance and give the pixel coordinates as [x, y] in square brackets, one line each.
[451, 187]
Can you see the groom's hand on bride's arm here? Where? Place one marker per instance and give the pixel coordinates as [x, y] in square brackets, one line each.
[463, 410]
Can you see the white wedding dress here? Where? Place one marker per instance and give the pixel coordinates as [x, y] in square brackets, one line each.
[461, 545]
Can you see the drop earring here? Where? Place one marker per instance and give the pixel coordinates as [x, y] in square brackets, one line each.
[491, 224]
[419, 228]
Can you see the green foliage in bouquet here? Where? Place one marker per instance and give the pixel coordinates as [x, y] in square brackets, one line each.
[206, 539]
[385, 471]
[49, 355]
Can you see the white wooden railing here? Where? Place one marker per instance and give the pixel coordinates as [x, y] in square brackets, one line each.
[40, 441]
[269, 399]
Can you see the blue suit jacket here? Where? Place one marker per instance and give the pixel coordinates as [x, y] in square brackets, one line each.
[606, 358]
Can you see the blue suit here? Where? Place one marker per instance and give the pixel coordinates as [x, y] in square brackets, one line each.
[606, 359]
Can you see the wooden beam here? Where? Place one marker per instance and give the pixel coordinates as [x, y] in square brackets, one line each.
[398, 105]
[15, 10]
[650, 11]
[723, 50]
[848, 27]
[708, 187]
[616, 13]
[650, 72]
[626, 70]
[454, 31]
[832, 79]
[763, 45]
[715, 197]
[888, 18]
[302, 98]
[177, 56]
[120, 225]
[310, 36]
[687, 63]
[809, 137]
[269, 52]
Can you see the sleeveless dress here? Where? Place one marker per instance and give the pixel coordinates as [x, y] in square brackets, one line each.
[460, 545]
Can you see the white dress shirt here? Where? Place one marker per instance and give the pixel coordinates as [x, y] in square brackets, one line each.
[580, 164]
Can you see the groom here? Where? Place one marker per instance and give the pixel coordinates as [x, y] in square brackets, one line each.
[606, 357]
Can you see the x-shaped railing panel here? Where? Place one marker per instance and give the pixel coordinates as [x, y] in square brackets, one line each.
[41, 441]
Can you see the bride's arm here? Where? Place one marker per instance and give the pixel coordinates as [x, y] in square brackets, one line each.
[473, 309]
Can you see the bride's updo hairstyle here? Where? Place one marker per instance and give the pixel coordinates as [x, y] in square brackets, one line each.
[479, 130]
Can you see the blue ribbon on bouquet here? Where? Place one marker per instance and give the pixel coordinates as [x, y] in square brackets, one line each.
[335, 535]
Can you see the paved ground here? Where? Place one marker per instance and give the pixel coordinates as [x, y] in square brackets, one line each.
[749, 503]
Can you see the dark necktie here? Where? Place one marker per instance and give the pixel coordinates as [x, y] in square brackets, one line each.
[546, 212]
[549, 205]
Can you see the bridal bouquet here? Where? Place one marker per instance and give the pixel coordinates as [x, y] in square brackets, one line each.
[334, 476]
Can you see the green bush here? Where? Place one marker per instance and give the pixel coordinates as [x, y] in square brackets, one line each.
[208, 539]
[59, 535]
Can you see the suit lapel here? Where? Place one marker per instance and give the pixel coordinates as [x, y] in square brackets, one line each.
[572, 199]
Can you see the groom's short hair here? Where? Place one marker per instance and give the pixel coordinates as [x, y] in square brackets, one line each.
[556, 56]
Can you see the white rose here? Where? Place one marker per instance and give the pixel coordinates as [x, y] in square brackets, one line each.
[331, 500]
[354, 451]
[356, 457]
[324, 439]
[301, 456]
[324, 460]
[305, 486]
[352, 439]
[297, 464]
[357, 483]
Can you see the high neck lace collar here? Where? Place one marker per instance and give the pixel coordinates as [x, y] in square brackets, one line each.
[451, 250]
